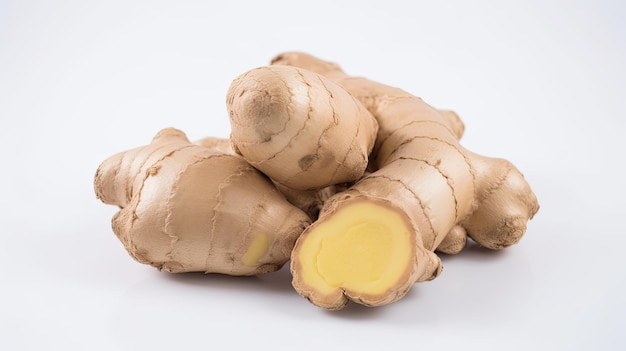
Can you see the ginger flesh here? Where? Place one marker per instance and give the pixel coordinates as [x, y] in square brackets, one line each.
[362, 247]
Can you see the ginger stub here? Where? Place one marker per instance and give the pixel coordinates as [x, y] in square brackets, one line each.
[363, 249]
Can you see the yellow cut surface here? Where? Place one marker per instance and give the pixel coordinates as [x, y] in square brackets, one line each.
[256, 250]
[364, 247]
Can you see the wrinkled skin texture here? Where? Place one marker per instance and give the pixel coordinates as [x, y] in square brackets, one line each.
[189, 208]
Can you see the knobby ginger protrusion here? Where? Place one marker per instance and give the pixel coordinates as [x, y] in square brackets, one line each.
[185, 207]
[299, 128]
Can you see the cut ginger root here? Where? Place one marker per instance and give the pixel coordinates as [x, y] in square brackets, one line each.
[190, 208]
[364, 251]
[373, 241]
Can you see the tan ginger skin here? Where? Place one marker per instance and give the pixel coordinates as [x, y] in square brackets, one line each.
[299, 128]
[217, 145]
[309, 201]
[372, 242]
[185, 208]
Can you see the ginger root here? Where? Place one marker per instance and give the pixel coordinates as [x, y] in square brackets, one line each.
[358, 183]
[373, 241]
[186, 207]
[299, 128]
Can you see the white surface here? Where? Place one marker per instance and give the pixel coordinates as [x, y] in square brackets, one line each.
[541, 83]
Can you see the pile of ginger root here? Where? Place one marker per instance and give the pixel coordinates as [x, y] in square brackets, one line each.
[357, 184]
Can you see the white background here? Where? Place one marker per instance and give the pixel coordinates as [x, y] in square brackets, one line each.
[541, 83]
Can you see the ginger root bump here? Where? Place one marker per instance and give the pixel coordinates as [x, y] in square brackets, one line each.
[185, 208]
[299, 128]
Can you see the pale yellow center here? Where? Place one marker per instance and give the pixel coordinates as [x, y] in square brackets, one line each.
[364, 247]
[256, 250]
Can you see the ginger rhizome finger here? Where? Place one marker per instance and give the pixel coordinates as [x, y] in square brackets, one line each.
[188, 208]
[439, 191]
[299, 128]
